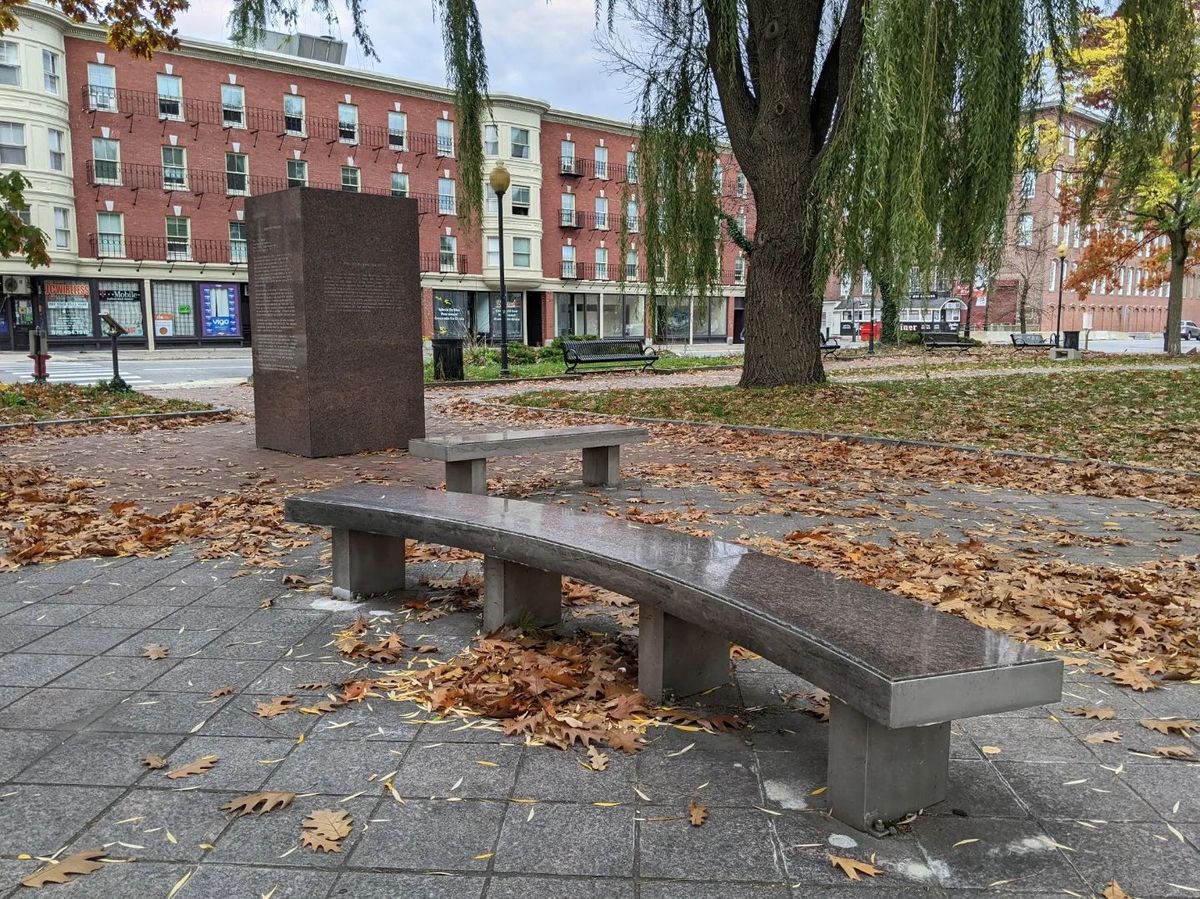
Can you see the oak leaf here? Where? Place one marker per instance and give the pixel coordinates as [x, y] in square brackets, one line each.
[1175, 752]
[426, 647]
[279, 705]
[155, 651]
[1129, 676]
[221, 691]
[324, 707]
[388, 651]
[697, 813]
[324, 830]
[79, 863]
[311, 687]
[1104, 736]
[624, 740]
[1094, 712]
[356, 690]
[597, 760]
[852, 868]
[193, 768]
[258, 803]
[1114, 891]
[153, 761]
[1180, 726]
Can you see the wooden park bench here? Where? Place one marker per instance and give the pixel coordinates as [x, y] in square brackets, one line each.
[945, 340]
[1024, 341]
[466, 455]
[830, 346]
[608, 350]
[898, 671]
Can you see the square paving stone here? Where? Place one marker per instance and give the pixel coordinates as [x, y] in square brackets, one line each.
[1016, 855]
[374, 719]
[728, 777]
[519, 887]
[778, 730]
[244, 763]
[50, 708]
[789, 779]
[675, 889]
[1026, 740]
[557, 838]
[12, 694]
[144, 817]
[81, 639]
[182, 644]
[551, 774]
[1180, 700]
[14, 636]
[49, 614]
[238, 718]
[114, 671]
[158, 595]
[734, 844]
[389, 886]
[242, 593]
[285, 676]
[46, 817]
[97, 591]
[134, 617]
[204, 619]
[266, 840]
[236, 881]
[1055, 790]
[35, 669]
[204, 675]
[437, 836]
[127, 880]
[19, 593]
[808, 839]
[456, 730]
[1146, 859]
[19, 748]
[97, 759]
[339, 769]
[465, 770]
[159, 713]
[976, 790]
[1172, 788]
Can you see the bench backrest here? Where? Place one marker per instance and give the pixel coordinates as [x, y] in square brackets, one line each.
[1030, 339]
[941, 337]
[612, 346]
[896, 660]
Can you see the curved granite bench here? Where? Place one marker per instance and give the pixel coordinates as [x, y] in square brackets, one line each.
[898, 670]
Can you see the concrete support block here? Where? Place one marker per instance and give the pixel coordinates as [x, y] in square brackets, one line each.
[518, 595]
[365, 564]
[602, 466]
[469, 476]
[879, 774]
[675, 657]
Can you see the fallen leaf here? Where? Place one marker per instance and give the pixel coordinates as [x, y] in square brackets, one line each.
[1114, 891]
[1095, 712]
[852, 868]
[221, 691]
[697, 813]
[266, 603]
[83, 862]
[1170, 726]
[153, 761]
[279, 705]
[155, 651]
[597, 760]
[324, 830]
[991, 750]
[1175, 752]
[426, 647]
[1104, 736]
[193, 768]
[258, 803]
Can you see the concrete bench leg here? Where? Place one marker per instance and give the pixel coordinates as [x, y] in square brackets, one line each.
[677, 657]
[602, 466]
[880, 774]
[517, 594]
[469, 476]
[366, 563]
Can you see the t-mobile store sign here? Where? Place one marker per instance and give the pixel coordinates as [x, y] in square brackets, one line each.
[219, 305]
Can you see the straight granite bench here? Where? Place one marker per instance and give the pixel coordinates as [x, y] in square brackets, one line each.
[466, 455]
[898, 671]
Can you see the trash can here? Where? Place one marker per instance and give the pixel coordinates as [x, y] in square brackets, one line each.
[448, 359]
[1070, 340]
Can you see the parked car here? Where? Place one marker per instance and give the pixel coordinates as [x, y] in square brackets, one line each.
[1189, 330]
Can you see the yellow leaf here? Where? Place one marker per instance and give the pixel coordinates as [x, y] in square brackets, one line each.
[853, 868]
[991, 750]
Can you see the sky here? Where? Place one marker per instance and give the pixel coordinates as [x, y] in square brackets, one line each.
[536, 48]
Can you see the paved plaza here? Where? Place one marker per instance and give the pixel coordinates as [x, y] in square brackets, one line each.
[451, 807]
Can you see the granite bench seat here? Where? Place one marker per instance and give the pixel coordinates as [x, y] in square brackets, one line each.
[466, 455]
[898, 671]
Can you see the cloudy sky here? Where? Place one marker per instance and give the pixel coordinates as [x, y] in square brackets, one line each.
[534, 47]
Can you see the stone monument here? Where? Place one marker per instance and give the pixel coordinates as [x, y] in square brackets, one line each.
[335, 312]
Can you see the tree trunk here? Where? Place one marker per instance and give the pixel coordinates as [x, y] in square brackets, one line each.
[1179, 255]
[1022, 306]
[890, 332]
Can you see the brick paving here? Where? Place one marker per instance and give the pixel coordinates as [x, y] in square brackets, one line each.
[1038, 812]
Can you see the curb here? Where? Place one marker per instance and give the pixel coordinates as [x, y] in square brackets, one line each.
[487, 382]
[147, 416]
[865, 438]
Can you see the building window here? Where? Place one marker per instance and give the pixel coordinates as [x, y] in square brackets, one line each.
[601, 219]
[174, 309]
[110, 227]
[106, 160]
[12, 143]
[740, 185]
[350, 179]
[170, 97]
[448, 253]
[718, 179]
[347, 123]
[568, 262]
[631, 216]
[520, 143]
[566, 210]
[398, 130]
[293, 114]
[493, 252]
[62, 227]
[25, 215]
[631, 167]
[567, 156]
[58, 153]
[179, 237]
[233, 105]
[445, 137]
[601, 264]
[739, 270]
[631, 265]
[1028, 184]
[741, 223]
[50, 76]
[399, 184]
[10, 63]
[237, 174]
[491, 140]
[601, 162]
[446, 204]
[174, 163]
[297, 173]
[491, 202]
[520, 195]
[522, 252]
[237, 242]
[102, 87]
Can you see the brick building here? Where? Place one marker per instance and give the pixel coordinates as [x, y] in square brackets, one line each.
[140, 169]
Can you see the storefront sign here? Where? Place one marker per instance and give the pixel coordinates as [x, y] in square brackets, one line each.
[123, 301]
[514, 312]
[219, 310]
[449, 313]
[164, 324]
[69, 308]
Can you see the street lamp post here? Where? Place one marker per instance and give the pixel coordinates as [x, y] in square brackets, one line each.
[500, 180]
[1062, 268]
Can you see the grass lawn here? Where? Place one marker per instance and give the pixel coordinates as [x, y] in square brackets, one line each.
[1150, 417]
[550, 367]
[33, 402]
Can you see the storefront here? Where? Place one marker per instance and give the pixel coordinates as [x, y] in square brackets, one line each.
[474, 314]
[197, 312]
[71, 309]
[692, 320]
[600, 315]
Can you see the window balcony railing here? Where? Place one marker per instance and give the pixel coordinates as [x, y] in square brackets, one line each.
[448, 263]
[147, 248]
[571, 165]
[585, 271]
[569, 270]
[569, 218]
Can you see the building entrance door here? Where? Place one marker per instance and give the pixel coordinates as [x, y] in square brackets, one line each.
[22, 321]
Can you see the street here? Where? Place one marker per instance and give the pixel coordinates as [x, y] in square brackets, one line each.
[138, 367]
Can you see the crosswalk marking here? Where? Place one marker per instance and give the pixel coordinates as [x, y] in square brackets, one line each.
[81, 377]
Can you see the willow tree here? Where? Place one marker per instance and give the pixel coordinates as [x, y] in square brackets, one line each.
[1142, 66]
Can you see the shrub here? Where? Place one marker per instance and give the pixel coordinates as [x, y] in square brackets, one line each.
[520, 354]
